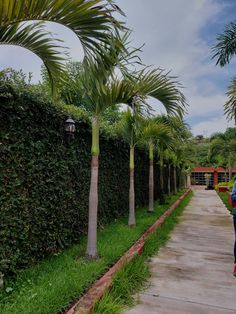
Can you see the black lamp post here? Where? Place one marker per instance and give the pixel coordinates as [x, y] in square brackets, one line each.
[70, 129]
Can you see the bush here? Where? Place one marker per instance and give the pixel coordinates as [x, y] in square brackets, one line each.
[45, 183]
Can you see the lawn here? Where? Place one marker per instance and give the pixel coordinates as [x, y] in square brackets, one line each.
[52, 285]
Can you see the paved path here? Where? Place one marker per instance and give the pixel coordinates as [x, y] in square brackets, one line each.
[192, 274]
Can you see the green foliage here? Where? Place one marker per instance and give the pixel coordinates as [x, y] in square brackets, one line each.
[224, 198]
[45, 183]
[201, 154]
[229, 184]
[50, 286]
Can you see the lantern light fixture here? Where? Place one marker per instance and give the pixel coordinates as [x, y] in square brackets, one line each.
[70, 126]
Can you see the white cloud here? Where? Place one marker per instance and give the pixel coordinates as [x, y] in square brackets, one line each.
[208, 127]
[201, 105]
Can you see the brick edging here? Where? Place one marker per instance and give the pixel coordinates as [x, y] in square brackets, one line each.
[86, 302]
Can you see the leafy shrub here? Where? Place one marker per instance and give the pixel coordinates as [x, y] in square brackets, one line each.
[44, 184]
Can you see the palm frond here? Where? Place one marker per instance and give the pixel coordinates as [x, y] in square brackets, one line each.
[99, 86]
[230, 105]
[34, 38]
[159, 85]
[91, 20]
[179, 127]
[130, 127]
[225, 48]
[116, 53]
[155, 131]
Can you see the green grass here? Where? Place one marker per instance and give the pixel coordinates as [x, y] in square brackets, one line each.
[53, 284]
[134, 275]
[224, 198]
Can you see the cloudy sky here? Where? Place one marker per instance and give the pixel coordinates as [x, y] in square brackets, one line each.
[178, 36]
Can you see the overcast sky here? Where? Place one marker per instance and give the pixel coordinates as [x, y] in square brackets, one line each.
[178, 36]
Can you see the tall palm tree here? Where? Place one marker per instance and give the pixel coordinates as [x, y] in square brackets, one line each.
[99, 90]
[223, 52]
[157, 84]
[168, 156]
[153, 132]
[180, 133]
[90, 20]
[174, 161]
[102, 89]
[130, 126]
[162, 146]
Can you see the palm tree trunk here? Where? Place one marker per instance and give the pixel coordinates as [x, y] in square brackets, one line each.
[162, 198]
[161, 174]
[168, 183]
[175, 181]
[91, 251]
[131, 221]
[151, 180]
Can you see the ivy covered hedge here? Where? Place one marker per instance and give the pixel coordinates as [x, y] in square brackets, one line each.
[44, 184]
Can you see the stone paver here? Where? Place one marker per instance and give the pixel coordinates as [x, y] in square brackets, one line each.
[192, 274]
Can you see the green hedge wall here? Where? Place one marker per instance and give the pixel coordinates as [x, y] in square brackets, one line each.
[44, 184]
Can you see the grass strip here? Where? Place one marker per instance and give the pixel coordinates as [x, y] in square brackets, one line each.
[134, 275]
[52, 285]
[224, 198]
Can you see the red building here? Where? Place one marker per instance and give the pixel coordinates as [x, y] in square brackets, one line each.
[218, 174]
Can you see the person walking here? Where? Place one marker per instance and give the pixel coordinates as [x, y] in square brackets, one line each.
[233, 196]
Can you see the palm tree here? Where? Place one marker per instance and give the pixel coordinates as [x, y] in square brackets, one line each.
[149, 83]
[90, 20]
[162, 146]
[153, 132]
[223, 52]
[130, 126]
[99, 90]
[102, 89]
[174, 162]
[180, 133]
[167, 157]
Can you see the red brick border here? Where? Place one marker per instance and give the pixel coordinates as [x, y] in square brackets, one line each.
[95, 293]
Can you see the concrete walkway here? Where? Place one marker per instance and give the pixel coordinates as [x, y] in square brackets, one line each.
[192, 274]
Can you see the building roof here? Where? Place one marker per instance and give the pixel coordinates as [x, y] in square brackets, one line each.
[212, 169]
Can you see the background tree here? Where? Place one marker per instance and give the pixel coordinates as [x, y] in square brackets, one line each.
[223, 146]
